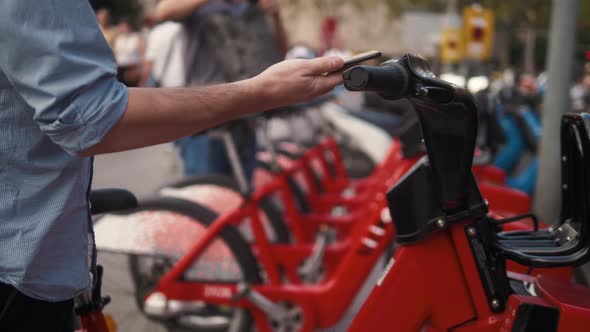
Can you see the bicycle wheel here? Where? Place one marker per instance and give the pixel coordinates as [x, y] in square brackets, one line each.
[228, 259]
[212, 189]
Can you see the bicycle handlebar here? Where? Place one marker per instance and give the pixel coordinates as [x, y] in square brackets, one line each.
[447, 115]
[390, 80]
[441, 189]
[408, 77]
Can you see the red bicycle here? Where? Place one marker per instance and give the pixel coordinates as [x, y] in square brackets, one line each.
[461, 282]
[223, 282]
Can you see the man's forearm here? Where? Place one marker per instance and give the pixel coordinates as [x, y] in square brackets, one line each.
[155, 116]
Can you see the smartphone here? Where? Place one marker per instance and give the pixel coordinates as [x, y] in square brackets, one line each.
[359, 58]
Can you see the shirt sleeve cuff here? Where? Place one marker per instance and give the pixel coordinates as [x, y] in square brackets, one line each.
[89, 117]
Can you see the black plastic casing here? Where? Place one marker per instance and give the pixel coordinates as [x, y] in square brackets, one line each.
[441, 188]
[415, 207]
[390, 80]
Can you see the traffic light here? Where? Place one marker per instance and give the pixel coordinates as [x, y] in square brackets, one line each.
[478, 29]
[451, 46]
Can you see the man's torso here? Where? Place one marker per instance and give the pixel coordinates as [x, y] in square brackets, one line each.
[43, 207]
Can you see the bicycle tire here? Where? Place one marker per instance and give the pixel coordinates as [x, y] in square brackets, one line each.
[239, 248]
[271, 211]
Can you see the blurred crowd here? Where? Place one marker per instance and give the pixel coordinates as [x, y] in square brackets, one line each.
[214, 41]
[580, 92]
[183, 44]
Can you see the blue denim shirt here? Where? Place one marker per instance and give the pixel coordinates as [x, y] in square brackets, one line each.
[58, 97]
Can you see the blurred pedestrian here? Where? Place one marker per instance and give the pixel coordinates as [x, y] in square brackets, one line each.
[163, 63]
[103, 16]
[128, 53]
[216, 52]
[580, 94]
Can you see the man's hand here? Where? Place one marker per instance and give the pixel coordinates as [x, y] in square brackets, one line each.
[295, 81]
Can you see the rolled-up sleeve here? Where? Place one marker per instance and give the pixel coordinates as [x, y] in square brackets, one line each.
[56, 58]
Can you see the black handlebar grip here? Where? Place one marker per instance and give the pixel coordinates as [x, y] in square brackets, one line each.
[389, 80]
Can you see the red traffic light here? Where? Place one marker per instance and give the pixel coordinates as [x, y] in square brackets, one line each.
[477, 33]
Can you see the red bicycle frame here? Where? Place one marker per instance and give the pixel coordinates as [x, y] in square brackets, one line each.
[322, 304]
[347, 263]
[325, 159]
[434, 285]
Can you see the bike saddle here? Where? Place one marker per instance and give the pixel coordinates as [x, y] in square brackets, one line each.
[111, 200]
[568, 243]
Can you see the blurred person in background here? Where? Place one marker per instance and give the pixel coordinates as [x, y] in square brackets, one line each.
[580, 94]
[163, 62]
[203, 64]
[128, 53]
[103, 16]
[528, 90]
[527, 84]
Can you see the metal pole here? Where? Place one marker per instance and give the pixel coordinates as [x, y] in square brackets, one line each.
[557, 101]
[529, 50]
